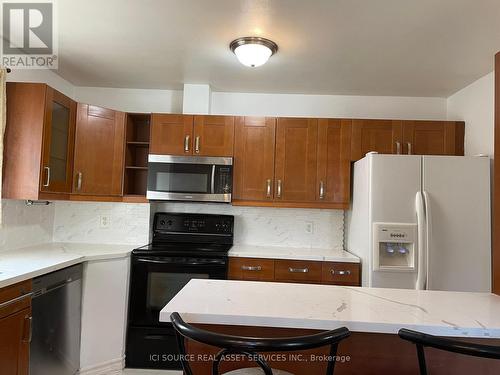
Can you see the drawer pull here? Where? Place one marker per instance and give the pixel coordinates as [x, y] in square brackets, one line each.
[251, 268]
[340, 273]
[298, 270]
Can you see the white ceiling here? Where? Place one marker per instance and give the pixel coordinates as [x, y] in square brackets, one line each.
[359, 47]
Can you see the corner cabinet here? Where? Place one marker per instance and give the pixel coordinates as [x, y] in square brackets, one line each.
[99, 151]
[411, 137]
[39, 140]
[203, 135]
[15, 328]
[292, 162]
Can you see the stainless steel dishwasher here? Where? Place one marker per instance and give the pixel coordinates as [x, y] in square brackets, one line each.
[57, 302]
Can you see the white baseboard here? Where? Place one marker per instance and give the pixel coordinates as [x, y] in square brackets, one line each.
[113, 367]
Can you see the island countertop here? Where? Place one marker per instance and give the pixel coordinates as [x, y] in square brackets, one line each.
[324, 307]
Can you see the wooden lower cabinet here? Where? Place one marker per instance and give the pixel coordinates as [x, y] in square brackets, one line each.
[251, 269]
[294, 271]
[297, 271]
[15, 328]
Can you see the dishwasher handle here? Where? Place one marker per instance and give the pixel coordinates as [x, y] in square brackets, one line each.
[52, 287]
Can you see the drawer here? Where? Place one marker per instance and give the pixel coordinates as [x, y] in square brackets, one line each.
[11, 299]
[297, 270]
[251, 269]
[341, 273]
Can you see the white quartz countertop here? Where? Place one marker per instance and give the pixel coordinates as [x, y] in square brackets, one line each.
[325, 307]
[26, 263]
[302, 253]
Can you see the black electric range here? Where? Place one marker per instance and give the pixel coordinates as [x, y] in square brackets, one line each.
[184, 247]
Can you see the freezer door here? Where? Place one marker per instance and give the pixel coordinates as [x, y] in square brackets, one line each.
[459, 228]
[394, 183]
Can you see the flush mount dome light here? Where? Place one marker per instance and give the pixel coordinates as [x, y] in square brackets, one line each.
[253, 51]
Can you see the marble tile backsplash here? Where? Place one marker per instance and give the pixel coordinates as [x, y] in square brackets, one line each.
[81, 222]
[25, 225]
[262, 226]
[130, 223]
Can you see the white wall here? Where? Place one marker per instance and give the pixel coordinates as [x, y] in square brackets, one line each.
[230, 103]
[131, 100]
[475, 105]
[42, 76]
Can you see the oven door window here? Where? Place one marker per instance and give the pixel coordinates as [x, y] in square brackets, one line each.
[155, 281]
[180, 178]
[162, 287]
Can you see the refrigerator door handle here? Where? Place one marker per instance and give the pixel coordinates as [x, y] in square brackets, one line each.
[428, 234]
[421, 242]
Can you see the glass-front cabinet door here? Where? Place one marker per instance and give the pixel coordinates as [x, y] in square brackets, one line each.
[58, 143]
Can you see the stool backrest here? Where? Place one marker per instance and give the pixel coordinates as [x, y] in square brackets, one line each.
[252, 346]
[422, 340]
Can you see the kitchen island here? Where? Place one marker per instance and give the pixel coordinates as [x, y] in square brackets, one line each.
[373, 315]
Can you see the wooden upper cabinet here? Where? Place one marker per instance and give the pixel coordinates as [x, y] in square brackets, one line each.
[382, 136]
[38, 142]
[213, 135]
[99, 151]
[334, 164]
[295, 160]
[433, 137]
[171, 134]
[58, 142]
[254, 158]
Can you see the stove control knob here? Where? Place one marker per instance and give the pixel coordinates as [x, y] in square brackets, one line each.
[162, 222]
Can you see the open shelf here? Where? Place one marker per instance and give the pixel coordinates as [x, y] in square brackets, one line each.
[136, 157]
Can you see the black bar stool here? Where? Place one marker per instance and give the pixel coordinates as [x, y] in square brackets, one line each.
[422, 340]
[251, 347]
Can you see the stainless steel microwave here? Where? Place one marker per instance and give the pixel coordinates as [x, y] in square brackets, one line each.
[190, 178]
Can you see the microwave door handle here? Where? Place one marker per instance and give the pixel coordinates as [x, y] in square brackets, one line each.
[212, 181]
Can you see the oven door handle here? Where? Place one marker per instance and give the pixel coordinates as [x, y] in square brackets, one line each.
[188, 263]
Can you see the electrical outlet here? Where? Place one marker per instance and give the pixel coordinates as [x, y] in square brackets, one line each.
[309, 227]
[104, 221]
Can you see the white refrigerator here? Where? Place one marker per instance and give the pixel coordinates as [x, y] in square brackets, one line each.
[422, 222]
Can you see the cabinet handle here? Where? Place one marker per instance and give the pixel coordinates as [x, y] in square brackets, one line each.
[321, 190]
[28, 320]
[278, 189]
[298, 270]
[409, 148]
[251, 268]
[197, 144]
[47, 180]
[340, 273]
[186, 143]
[15, 300]
[398, 148]
[79, 181]
[268, 188]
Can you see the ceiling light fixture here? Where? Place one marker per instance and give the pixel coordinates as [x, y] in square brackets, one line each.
[253, 51]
